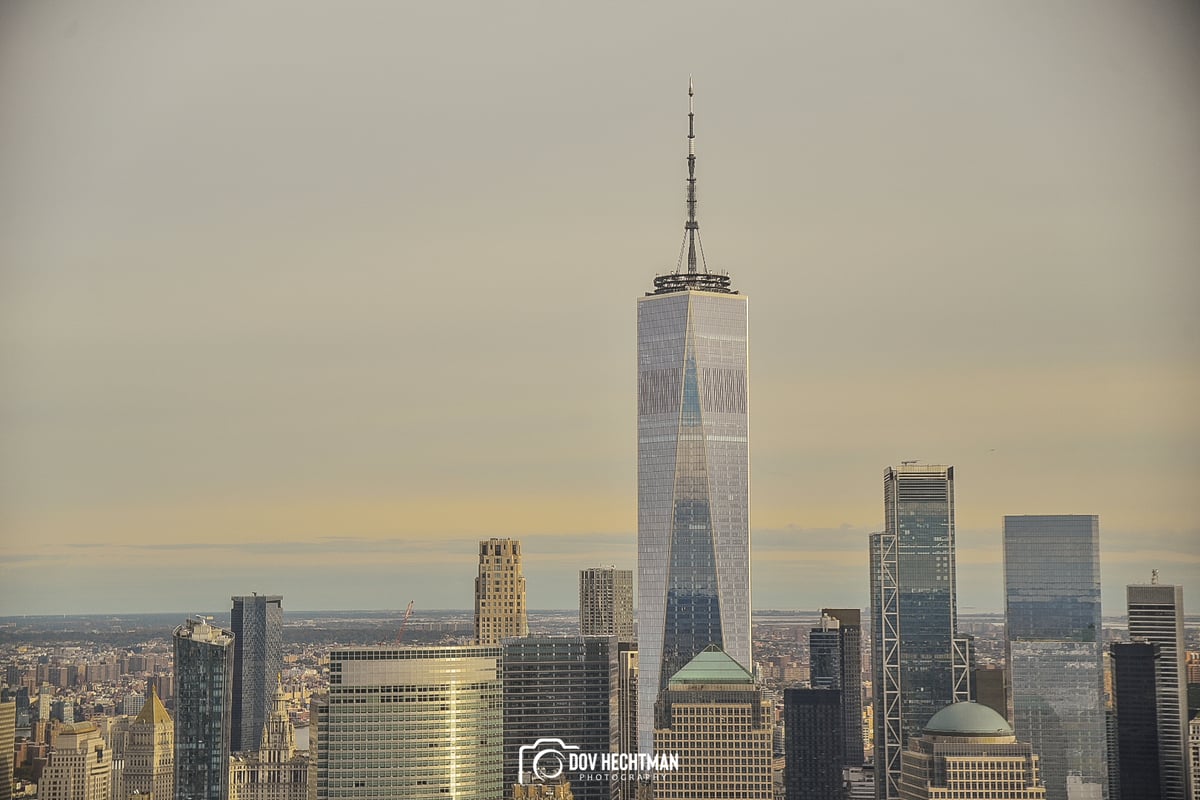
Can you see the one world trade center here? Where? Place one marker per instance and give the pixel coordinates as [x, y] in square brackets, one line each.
[693, 468]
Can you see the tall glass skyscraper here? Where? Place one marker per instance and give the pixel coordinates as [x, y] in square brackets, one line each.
[1156, 615]
[1052, 613]
[203, 710]
[919, 663]
[257, 624]
[693, 469]
[835, 655]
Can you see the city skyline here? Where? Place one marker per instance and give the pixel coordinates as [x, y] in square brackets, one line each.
[328, 312]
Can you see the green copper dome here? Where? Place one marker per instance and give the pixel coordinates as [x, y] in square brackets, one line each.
[968, 719]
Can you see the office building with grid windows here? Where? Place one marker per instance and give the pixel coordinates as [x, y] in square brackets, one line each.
[919, 663]
[1156, 616]
[148, 768]
[814, 743]
[500, 592]
[411, 723]
[969, 752]
[80, 766]
[720, 724]
[835, 648]
[1055, 652]
[565, 687]
[1138, 773]
[606, 602]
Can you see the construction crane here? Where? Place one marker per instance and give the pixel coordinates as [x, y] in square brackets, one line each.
[404, 622]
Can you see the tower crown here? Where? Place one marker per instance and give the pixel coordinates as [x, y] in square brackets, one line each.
[691, 279]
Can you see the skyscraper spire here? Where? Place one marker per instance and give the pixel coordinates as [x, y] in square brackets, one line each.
[695, 277]
[691, 228]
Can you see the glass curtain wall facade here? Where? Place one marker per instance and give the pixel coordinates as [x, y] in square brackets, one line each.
[919, 663]
[813, 738]
[257, 624]
[203, 710]
[693, 481]
[565, 687]
[835, 649]
[1135, 665]
[411, 723]
[1052, 615]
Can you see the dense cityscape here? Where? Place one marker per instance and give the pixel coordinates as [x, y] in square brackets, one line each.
[691, 698]
[101, 670]
[666, 680]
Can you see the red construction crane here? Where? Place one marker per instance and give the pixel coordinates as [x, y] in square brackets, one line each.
[407, 614]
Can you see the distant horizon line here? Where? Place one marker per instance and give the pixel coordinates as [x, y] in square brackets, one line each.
[400, 612]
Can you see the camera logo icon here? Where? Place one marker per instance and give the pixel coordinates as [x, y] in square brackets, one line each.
[544, 760]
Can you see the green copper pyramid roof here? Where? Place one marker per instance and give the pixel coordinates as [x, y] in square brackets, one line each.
[711, 665]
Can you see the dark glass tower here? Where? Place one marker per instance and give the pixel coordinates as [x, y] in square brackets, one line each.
[565, 687]
[693, 469]
[1134, 668]
[920, 664]
[1052, 613]
[813, 744]
[1156, 615]
[203, 710]
[257, 623]
[835, 649]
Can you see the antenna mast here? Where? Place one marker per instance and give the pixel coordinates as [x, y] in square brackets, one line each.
[691, 228]
[696, 278]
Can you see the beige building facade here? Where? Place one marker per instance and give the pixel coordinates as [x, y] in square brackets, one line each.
[969, 752]
[720, 724]
[606, 603]
[275, 771]
[148, 755]
[80, 767]
[500, 592]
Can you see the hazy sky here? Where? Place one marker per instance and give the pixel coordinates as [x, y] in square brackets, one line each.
[307, 297]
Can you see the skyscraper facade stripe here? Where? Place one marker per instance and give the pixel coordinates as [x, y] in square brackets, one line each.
[693, 470]
[920, 665]
[1052, 615]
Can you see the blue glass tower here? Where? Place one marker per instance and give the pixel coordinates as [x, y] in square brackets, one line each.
[257, 624]
[1052, 614]
[693, 469]
[203, 710]
[919, 662]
